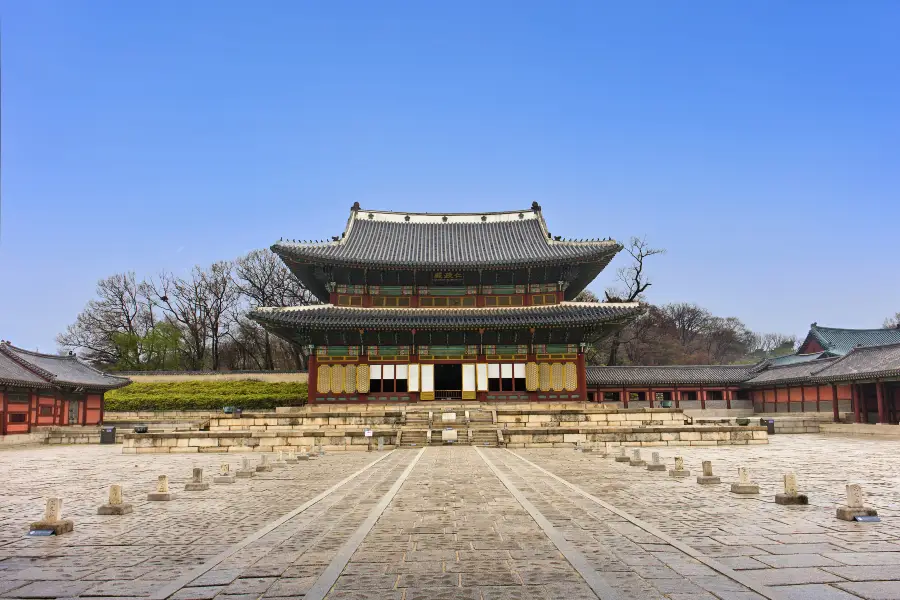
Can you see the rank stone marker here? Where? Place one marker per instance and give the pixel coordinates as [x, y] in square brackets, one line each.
[655, 465]
[381, 444]
[162, 493]
[291, 458]
[621, 456]
[116, 505]
[708, 478]
[679, 470]
[263, 466]
[636, 460]
[744, 485]
[279, 460]
[790, 496]
[246, 471]
[855, 506]
[196, 484]
[304, 455]
[224, 475]
[53, 520]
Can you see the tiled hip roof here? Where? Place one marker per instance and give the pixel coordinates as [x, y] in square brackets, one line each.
[452, 244]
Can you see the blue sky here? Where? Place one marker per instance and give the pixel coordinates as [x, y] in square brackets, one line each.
[758, 142]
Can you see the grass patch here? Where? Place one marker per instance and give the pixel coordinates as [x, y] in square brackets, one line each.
[248, 394]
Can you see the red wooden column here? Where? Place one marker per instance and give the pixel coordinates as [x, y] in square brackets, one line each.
[819, 398]
[581, 371]
[837, 413]
[702, 394]
[855, 399]
[879, 393]
[625, 397]
[311, 375]
[676, 396]
[3, 413]
[802, 398]
[650, 396]
[728, 398]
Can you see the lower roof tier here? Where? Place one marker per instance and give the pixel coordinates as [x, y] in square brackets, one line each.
[568, 322]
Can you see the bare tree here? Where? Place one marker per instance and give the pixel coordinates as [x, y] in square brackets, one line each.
[892, 322]
[634, 282]
[110, 328]
[182, 302]
[219, 296]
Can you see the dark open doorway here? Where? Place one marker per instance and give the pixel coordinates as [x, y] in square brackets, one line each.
[448, 381]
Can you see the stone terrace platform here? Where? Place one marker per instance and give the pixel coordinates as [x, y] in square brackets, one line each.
[530, 425]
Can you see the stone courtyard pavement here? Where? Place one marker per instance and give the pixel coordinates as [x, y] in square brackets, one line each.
[460, 522]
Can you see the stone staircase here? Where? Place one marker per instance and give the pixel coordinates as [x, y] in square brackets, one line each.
[414, 438]
[484, 437]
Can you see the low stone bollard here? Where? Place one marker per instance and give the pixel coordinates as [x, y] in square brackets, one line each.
[381, 444]
[264, 466]
[291, 458]
[196, 484]
[855, 506]
[636, 460]
[116, 504]
[790, 496]
[655, 465]
[679, 470]
[224, 475]
[321, 450]
[246, 471]
[162, 493]
[708, 478]
[53, 520]
[744, 485]
[304, 455]
[279, 460]
[621, 456]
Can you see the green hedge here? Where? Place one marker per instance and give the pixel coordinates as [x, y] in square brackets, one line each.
[249, 394]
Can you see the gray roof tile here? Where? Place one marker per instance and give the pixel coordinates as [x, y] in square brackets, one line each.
[14, 374]
[790, 373]
[668, 375]
[65, 371]
[329, 316]
[463, 241]
[863, 363]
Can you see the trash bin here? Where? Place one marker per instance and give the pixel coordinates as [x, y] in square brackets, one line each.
[107, 435]
[769, 425]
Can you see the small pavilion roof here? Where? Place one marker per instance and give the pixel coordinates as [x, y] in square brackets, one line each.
[863, 363]
[14, 374]
[389, 239]
[64, 371]
[838, 341]
[668, 375]
[329, 316]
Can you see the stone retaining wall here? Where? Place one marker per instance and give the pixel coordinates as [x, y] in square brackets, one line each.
[514, 437]
[251, 441]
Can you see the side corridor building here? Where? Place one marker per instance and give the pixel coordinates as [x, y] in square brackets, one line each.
[44, 390]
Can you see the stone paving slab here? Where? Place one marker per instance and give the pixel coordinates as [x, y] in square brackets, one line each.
[800, 550]
[137, 553]
[464, 523]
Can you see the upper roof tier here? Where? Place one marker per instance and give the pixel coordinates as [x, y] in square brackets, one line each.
[395, 240]
[417, 243]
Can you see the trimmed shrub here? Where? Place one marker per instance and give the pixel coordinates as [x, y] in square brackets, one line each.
[248, 394]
